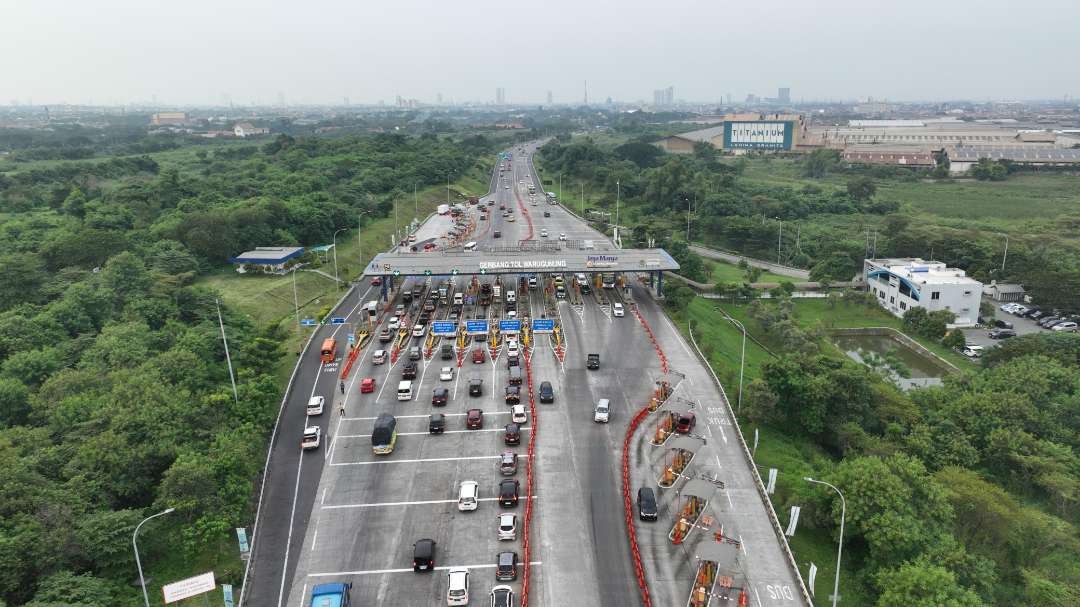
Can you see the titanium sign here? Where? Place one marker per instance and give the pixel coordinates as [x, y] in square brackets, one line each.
[759, 135]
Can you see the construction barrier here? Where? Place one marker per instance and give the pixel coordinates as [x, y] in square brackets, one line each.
[529, 477]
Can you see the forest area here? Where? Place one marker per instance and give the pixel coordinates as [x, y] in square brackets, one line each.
[115, 401]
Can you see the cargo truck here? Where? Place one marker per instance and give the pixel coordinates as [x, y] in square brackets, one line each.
[384, 434]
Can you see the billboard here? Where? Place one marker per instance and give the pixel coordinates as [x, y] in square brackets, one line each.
[758, 135]
[193, 586]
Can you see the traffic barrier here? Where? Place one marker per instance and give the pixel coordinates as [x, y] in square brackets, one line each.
[628, 507]
[652, 338]
[529, 476]
[349, 363]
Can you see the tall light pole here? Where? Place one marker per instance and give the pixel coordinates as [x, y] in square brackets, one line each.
[228, 358]
[135, 545]
[296, 303]
[688, 220]
[582, 200]
[415, 202]
[742, 360]
[840, 546]
[336, 279]
[448, 188]
[1006, 253]
[778, 237]
[618, 194]
[359, 244]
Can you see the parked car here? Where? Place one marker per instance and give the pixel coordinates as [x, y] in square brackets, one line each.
[507, 463]
[1000, 333]
[1065, 326]
[507, 526]
[686, 422]
[1003, 324]
[508, 492]
[972, 351]
[518, 415]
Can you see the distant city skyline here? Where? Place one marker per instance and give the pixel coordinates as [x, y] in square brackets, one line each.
[116, 52]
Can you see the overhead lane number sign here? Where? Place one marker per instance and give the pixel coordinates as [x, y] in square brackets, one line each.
[337, 320]
[510, 326]
[476, 327]
[443, 327]
[543, 325]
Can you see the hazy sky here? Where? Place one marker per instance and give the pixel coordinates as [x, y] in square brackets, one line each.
[320, 51]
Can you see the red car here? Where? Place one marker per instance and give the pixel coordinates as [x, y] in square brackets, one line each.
[478, 355]
[430, 246]
[367, 385]
[686, 423]
[376, 281]
[474, 419]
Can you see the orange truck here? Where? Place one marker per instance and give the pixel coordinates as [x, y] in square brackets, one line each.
[329, 350]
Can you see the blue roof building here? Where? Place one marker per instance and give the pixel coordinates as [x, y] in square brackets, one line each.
[270, 259]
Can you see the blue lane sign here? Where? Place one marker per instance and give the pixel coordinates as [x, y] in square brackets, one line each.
[337, 320]
[308, 322]
[476, 327]
[543, 325]
[510, 326]
[227, 592]
[241, 537]
[352, 339]
[443, 327]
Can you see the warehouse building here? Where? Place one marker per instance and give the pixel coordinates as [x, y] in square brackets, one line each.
[962, 158]
[889, 155]
[900, 284]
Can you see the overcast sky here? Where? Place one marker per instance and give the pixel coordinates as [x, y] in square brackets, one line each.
[321, 51]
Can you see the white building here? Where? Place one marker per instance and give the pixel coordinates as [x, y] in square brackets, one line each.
[246, 129]
[902, 284]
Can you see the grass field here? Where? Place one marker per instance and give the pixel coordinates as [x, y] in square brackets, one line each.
[722, 271]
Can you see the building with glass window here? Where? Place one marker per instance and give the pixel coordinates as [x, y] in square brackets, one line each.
[905, 283]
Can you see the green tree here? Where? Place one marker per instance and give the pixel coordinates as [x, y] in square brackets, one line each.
[679, 297]
[65, 588]
[837, 265]
[75, 204]
[954, 339]
[922, 583]
[14, 402]
[818, 163]
[24, 274]
[861, 189]
[104, 540]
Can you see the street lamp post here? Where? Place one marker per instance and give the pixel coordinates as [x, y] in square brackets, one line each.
[135, 545]
[336, 278]
[618, 195]
[742, 361]
[840, 546]
[1006, 253]
[778, 238]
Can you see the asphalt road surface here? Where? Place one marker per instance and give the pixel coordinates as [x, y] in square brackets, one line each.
[342, 513]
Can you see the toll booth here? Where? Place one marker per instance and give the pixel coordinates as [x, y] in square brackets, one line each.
[670, 412]
[719, 580]
[693, 499]
[677, 459]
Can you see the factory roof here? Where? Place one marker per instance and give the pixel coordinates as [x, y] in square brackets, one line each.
[1015, 153]
[268, 255]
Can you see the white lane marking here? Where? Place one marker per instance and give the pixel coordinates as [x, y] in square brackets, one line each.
[350, 419]
[744, 546]
[417, 461]
[523, 429]
[758, 596]
[303, 595]
[323, 500]
[409, 570]
[296, 497]
[315, 536]
[413, 503]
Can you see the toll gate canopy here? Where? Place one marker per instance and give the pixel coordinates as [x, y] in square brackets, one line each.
[524, 260]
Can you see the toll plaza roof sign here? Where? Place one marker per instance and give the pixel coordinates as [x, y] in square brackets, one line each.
[476, 327]
[510, 326]
[499, 261]
[443, 327]
[543, 325]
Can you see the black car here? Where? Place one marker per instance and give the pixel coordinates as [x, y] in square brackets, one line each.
[512, 434]
[436, 423]
[439, 397]
[547, 394]
[508, 493]
[446, 352]
[497, 234]
[409, 370]
[1001, 333]
[424, 555]
[1003, 324]
[506, 564]
[593, 361]
[547, 213]
[476, 387]
[646, 504]
[513, 395]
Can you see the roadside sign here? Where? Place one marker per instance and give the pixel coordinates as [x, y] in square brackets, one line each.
[476, 327]
[241, 537]
[443, 327]
[337, 320]
[184, 589]
[510, 326]
[543, 325]
[308, 322]
[226, 590]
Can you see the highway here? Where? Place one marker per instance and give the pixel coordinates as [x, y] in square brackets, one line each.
[342, 513]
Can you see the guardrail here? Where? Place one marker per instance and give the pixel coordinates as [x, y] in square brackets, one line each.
[777, 528]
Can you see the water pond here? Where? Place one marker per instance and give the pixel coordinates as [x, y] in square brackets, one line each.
[893, 359]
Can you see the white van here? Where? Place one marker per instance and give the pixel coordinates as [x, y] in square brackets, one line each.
[581, 279]
[404, 390]
[511, 297]
[600, 415]
[470, 246]
[459, 298]
[468, 495]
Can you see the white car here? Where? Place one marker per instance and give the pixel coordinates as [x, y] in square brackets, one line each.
[506, 187]
[457, 586]
[972, 351]
[312, 434]
[510, 218]
[512, 349]
[379, 357]
[418, 331]
[1064, 326]
[394, 324]
[543, 233]
[446, 374]
[617, 310]
[518, 415]
[562, 236]
[315, 405]
[603, 409]
[512, 314]
[508, 526]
